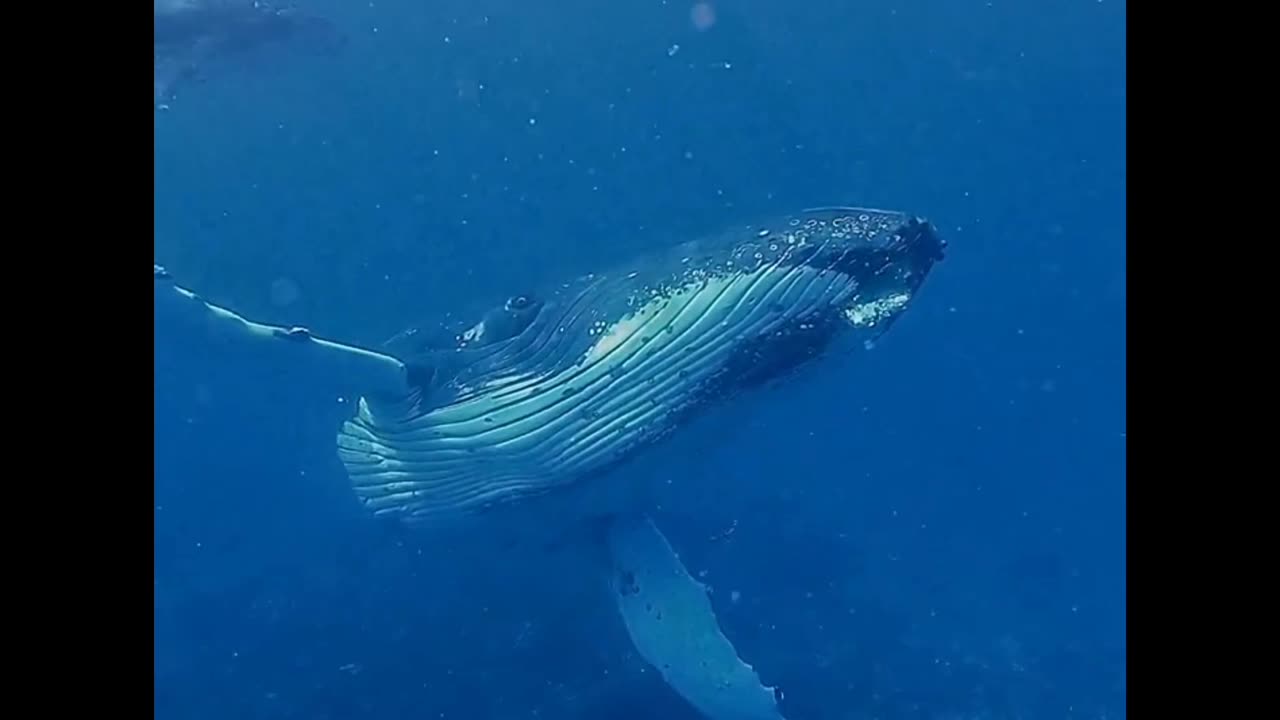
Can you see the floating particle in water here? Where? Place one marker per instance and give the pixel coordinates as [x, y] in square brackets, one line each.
[703, 16]
[284, 292]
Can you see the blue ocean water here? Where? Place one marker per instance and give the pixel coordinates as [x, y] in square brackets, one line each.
[937, 531]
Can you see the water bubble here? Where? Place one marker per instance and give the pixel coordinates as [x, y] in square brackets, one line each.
[284, 292]
[703, 16]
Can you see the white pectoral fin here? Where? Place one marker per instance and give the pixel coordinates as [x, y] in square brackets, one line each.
[673, 625]
[184, 316]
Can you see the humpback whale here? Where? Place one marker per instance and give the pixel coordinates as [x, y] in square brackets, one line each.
[524, 418]
[193, 35]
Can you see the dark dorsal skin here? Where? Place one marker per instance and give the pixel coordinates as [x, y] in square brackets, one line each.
[887, 246]
[498, 323]
[190, 36]
[432, 346]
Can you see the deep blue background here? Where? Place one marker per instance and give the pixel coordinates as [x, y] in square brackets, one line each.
[933, 530]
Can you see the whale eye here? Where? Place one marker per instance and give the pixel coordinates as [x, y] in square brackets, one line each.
[519, 302]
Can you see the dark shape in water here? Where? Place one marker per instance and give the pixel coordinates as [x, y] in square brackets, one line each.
[193, 36]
